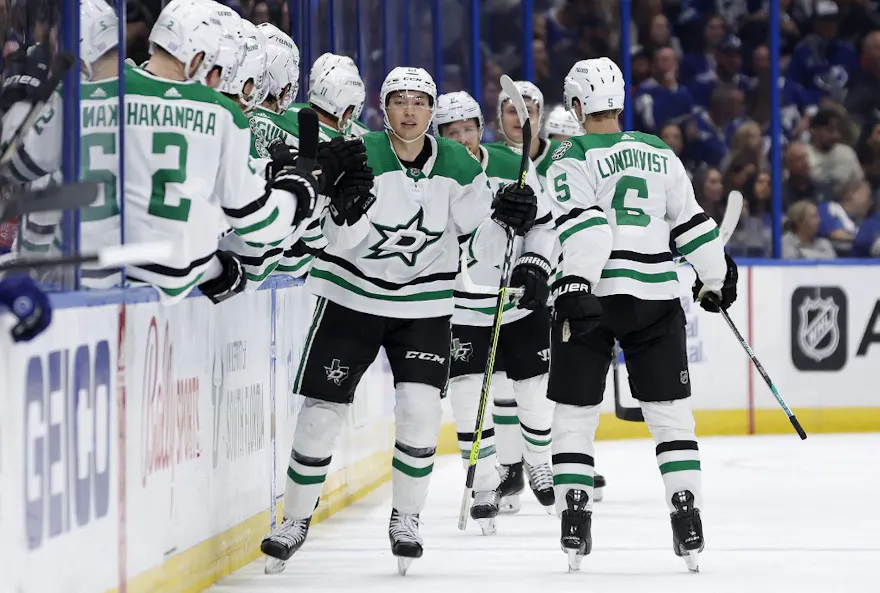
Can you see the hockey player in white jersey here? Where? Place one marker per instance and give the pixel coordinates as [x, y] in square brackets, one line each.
[561, 125]
[324, 64]
[524, 342]
[192, 143]
[386, 280]
[621, 197]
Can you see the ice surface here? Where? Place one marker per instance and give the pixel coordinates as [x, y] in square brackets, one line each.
[781, 515]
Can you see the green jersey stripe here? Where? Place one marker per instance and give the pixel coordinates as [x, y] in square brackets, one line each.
[431, 295]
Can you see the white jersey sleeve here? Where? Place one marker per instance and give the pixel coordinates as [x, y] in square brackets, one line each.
[40, 153]
[584, 235]
[694, 233]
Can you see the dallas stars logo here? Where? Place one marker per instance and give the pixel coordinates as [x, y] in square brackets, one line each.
[461, 350]
[405, 241]
[336, 372]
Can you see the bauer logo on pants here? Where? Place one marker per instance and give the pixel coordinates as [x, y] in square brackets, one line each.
[818, 328]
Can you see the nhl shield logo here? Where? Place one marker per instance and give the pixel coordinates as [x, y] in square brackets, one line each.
[818, 328]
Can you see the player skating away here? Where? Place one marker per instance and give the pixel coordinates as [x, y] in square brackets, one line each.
[561, 125]
[39, 157]
[524, 342]
[386, 280]
[191, 145]
[620, 198]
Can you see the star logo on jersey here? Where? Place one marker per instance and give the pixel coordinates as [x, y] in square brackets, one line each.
[461, 350]
[561, 150]
[405, 241]
[336, 373]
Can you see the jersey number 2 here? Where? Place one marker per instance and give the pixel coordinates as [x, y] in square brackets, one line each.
[630, 216]
[162, 141]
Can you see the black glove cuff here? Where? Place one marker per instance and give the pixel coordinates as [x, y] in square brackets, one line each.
[535, 260]
[228, 283]
[569, 285]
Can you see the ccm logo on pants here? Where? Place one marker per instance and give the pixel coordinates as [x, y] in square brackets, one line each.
[430, 357]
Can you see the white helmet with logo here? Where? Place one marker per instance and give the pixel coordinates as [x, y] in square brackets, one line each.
[232, 49]
[562, 122]
[186, 28]
[336, 90]
[283, 65]
[326, 61]
[255, 62]
[458, 106]
[405, 78]
[597, 83]
[97, 32]
[529, 91]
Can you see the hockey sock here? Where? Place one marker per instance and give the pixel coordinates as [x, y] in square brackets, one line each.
[508, 438]
[678, 456]
[464, 395]
[535, 416]
[317, 428]
[417, 415]
[574, 430]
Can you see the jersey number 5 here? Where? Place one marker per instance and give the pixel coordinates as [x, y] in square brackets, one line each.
[630, 216]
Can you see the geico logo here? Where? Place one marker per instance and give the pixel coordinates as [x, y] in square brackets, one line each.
[430, 357]
[66, 440]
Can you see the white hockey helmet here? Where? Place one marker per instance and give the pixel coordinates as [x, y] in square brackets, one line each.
[232, 49]
[283, 65]
[597, 83]
[458, 106]
[529, 91]
[336, 90]
[184, 29]
[562, 121]
[98, 32]
[255, 63]
[325, 62]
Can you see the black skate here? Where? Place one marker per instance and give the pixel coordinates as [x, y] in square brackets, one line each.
[283, 542]
[512, 484]
[541, 481]
[576, 540]
[406, 543]
[485, 509]
[687, 529]
[598, 488]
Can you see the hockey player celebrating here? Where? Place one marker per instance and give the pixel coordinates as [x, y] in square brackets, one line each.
[621, 198]
[540, 149]
[523, 344]
[386, 280]
[180, 121]
[325, 63]
[561, 125]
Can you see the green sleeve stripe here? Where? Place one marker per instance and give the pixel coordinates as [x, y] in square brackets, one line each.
[694, 244]
[297, 267]
[595, 221]
[640, 276]
[176, 291]
[259, 225]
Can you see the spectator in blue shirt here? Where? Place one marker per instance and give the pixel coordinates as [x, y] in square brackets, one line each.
[867, 241]
[709, 131]
[660, 99]
[839, 221]
[728, 70]
[696, 63]
[821, 63]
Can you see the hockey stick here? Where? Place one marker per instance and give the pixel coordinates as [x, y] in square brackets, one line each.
[519, 104]
[115, 256]
[308, 141]
[725, 231]
[59, 197]
[745, 345]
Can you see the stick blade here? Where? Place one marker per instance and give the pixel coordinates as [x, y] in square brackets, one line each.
[509, 87]
[69, 196]
[731, 216]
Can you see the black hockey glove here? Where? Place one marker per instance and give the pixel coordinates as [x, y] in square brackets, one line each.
[340, 156]
[710, 301]
[227, 284]
[515, 208]
[352, 197]
[574, 302]
[281, 174]
[532, 273]
[27, 70]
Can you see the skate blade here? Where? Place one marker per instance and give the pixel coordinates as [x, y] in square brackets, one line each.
[574, 560]
[403, 565]
[692, 559]
[598, 494]
[488, 526]
[510, 505]
[274, 565]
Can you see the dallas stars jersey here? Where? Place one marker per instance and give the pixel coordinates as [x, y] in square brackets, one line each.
[191, 145]
[619, 199]
[39, 157]
[501, 166]
[355, 127]
[541, 161]
[400, 260]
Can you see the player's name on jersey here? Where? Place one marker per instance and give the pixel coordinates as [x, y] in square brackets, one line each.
[99, 116]
[632, 157]
[267, 130]
[152, 115]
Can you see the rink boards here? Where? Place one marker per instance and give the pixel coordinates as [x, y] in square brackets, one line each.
[142, 447]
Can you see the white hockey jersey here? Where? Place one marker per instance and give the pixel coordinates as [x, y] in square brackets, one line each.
[191, 145]
[401, 259]
[619, 199]
[501, 166]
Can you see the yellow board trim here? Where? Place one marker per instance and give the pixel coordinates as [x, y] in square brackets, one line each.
[201, 566]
